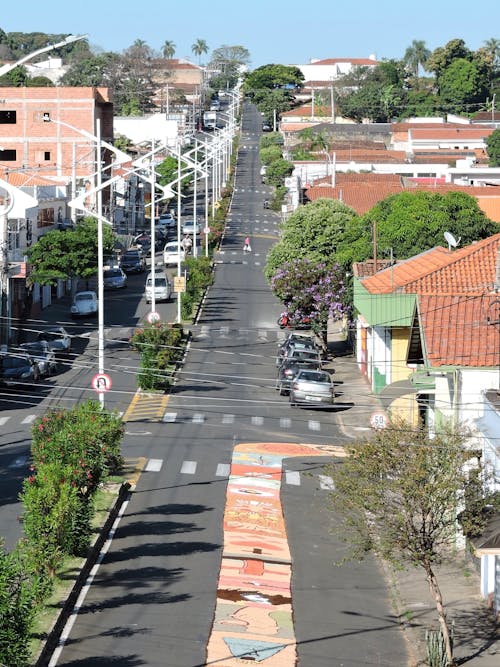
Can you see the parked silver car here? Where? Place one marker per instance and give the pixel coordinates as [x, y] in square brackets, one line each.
[43, 355]
[288, 371]
[58, 339]
[312, 388]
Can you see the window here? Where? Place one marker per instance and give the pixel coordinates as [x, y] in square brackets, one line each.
[8, 117]
[46, 155]
[9, 155]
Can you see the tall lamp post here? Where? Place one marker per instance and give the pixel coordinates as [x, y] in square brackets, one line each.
[79, 202]
[495, 321]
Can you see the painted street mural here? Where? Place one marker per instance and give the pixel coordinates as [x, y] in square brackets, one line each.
[253, 615]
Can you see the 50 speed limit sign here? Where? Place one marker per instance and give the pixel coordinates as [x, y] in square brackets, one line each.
[379, 420]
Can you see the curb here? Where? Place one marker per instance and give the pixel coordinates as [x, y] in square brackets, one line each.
[54, 634]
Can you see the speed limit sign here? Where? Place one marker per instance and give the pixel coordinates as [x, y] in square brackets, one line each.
[378, 420]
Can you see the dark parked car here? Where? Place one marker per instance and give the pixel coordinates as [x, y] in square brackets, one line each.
[295, 345]
[17, 368]
[133, 261]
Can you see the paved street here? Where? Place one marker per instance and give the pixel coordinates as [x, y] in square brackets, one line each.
[163, 582]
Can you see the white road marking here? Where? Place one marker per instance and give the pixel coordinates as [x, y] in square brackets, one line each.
[169, 417]
[188, 467]
[285, 422]
[223, 470]
[292, 477]
[153, 465]
[257, 421]
[326, 483]
[313, 425]
[228, 419]
[198, 418]
[4, 420]
[29, 419]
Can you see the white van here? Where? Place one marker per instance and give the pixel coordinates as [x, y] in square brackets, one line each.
[163, 287]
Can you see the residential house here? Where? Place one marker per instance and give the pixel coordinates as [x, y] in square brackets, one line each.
[428, 341]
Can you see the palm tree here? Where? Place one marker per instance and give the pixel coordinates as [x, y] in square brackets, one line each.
[199, 47]
[416, 55]
[492, 48]
[168, 49]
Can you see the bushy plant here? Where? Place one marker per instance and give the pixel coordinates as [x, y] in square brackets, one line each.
[86, 438]
[160, 346]
[51, 506]
[17, 609]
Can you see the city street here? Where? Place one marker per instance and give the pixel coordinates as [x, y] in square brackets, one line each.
[157, 592]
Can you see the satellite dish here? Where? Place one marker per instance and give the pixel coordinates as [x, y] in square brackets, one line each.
[451, 240]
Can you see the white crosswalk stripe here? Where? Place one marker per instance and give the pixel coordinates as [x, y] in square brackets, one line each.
[285, 422]
[4, 420]
[169, 417]
[314, 425]
[228, 419]
[153, 465]
[29, 419]
[188, 467]
[198, 418]
[292, 477]
[223, 470]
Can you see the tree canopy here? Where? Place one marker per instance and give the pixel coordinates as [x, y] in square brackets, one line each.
[399, 493]
[312, 232]
[411, 223]
[273, 76]
[68, 254]
[493, 148]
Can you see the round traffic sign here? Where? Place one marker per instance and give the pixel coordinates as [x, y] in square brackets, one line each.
[379, 420]
[206, 230]
[153, 317]
[101, 382]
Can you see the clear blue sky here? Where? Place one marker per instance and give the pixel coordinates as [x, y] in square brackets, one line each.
[274, 31]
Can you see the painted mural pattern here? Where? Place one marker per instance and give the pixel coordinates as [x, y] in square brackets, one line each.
[253, 616]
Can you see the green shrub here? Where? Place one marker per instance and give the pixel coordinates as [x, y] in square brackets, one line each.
[17, 609]
[160, 345]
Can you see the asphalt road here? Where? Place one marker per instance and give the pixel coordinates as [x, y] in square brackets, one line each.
[153, 598]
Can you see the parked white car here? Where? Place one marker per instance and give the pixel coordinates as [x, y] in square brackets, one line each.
[173, 253]
[84, 304]
[162, 287]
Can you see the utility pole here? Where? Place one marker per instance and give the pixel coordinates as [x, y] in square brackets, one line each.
[374, 247]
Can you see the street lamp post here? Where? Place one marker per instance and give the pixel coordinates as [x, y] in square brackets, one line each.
[495, 321]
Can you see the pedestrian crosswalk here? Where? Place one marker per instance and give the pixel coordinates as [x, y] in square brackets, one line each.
[215, 419]
[223, 470]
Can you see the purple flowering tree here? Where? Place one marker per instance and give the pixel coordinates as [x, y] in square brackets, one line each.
[311, 289]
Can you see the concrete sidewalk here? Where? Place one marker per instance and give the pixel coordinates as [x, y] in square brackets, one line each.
[477, 635]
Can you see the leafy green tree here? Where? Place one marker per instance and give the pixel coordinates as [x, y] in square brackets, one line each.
[270, 154]
[412, 222]
[398, 494]
[463, 82]
[17, 609]
[273, 76]
[312, 232]
[270, 102]
[277, 171]
[168, 49]
[229, 59]
[199, 48]
[64, 255]
[493, 148]
[442, 57]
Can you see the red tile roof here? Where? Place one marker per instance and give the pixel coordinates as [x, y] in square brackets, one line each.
[447, 133]
[21, 179]
[466, 270]
[456, 330]
[456, 296]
